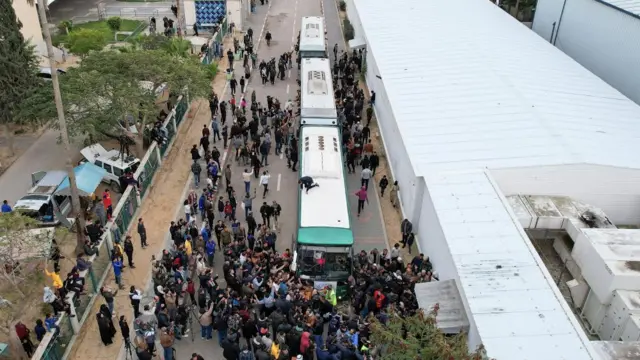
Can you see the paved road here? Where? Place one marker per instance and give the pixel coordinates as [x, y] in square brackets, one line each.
[45, 154]
[283, 21]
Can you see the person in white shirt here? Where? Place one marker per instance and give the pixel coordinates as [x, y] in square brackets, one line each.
[264, 181]
[289, 107]
[246, 177]
[365, 176]
[187, 210]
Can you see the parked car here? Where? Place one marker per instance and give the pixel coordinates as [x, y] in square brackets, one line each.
[113, 162]
[45, 73]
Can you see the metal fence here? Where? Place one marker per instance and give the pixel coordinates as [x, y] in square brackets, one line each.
[214, 50]
[57, 346]
[135, 12]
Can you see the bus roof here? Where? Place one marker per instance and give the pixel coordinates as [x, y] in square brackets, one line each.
[317, 90]
[325, 205]
[312, 36]
[330, 236]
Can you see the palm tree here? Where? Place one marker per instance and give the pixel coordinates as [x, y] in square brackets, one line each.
[75, 196]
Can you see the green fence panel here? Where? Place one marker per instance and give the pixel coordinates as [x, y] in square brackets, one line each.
[150, 168]
[126, 213]
[101, 263]
[58, 345]
[171, 132]
[128, 210]
[181, 110]
[82, 304]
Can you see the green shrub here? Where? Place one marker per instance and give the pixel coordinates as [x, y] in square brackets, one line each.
[349, 32]
[65, 26]
[342, 5]
[212, 69]
[82, 41]
[114, 23]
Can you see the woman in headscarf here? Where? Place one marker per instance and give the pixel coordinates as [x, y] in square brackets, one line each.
[105, 325]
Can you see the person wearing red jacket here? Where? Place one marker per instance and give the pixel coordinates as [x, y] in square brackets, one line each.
[106, 200]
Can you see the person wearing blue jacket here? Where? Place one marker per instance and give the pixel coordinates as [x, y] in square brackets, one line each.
[205, 232]
[201, 202]
[50, 322]
[117, 271]
[40, 330]
[210, 248]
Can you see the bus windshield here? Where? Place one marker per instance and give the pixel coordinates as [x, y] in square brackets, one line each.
[325, 263]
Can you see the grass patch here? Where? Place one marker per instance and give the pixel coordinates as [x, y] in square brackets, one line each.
[127, 25]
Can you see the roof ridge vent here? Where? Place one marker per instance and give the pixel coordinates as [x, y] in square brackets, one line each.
[317, 83]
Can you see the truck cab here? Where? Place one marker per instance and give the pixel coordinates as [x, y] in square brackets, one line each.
[113, 162]
[41, 203]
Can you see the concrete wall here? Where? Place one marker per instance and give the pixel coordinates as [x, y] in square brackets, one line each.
[235, 13]
[400, 164]
[603, 39]
[547, 12]
[354, 18]
[31, 29]
[614, 190]
[189, 14]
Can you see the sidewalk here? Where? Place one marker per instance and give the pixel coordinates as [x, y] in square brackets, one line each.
[369, 229]
[158, 211]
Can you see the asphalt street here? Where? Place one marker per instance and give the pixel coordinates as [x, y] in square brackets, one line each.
[282, 18]
[278, 18]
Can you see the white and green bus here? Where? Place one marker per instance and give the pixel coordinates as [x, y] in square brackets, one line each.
[312, 39]
[323, 247]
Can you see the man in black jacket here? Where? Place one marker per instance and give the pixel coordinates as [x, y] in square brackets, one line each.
[230, 348]
[128, 249]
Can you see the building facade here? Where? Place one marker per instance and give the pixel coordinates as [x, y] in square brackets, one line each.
[31, 30]
[603, 36]
[474, 107]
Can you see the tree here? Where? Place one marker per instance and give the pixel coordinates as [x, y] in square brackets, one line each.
[83, 41]
[20, 242]
[112, 89]
[18, 69]
[417, 337]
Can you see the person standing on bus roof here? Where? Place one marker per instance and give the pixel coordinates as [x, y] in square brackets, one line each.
[307, 183]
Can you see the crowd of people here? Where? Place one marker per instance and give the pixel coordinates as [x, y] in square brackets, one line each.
[259, 309]
[262, 310]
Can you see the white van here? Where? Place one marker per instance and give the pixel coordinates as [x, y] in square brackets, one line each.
[40, 202]
[114, 163]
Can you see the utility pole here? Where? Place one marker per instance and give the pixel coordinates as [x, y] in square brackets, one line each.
[75, 196]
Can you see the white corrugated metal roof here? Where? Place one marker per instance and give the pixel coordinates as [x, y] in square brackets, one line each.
[517, 309]
[630, 6]
[471, 87]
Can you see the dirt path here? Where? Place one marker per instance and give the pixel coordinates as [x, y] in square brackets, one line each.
[158, 211]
